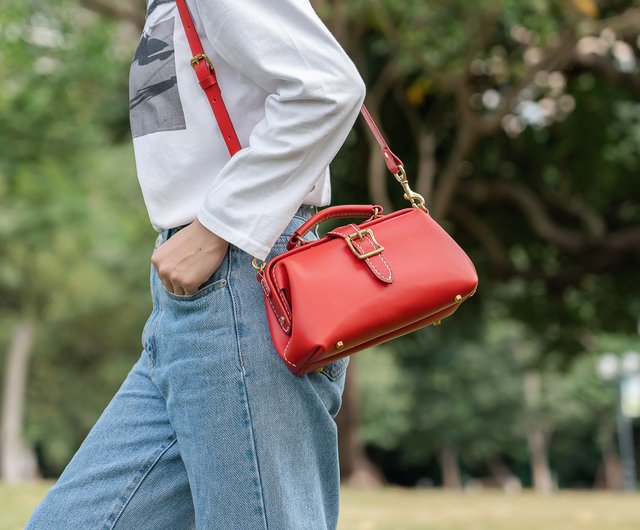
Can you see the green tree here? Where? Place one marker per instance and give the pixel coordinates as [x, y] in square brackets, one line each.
[71, 215]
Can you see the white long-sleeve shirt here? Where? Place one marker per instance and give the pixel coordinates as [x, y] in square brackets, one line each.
[292, 94]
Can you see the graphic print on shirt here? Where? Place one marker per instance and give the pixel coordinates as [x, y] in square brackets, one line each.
[154, 101]
[155, 3]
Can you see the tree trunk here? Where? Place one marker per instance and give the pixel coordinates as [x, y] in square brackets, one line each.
[356, 470]
[542, 479]
[18, 462]
[536, 435]
[503, 475]
[450, 470]
[612, 468]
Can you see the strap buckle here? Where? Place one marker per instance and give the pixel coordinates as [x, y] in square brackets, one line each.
[360, 235]
[195, 60]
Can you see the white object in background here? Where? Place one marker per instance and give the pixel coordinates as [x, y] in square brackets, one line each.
[630, 396]
[608, 366]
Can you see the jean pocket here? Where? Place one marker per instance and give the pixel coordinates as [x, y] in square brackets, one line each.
[336, 369]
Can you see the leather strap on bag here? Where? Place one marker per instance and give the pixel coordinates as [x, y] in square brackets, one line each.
[209, 83]
[208, 80]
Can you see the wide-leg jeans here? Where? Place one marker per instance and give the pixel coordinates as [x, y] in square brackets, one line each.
[209, 430]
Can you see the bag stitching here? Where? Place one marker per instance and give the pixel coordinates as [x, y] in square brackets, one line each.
[282, 299]
[368, 260]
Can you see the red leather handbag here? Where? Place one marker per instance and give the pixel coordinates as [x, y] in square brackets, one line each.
[361, 284]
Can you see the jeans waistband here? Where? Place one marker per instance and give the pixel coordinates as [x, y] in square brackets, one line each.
[304, 210]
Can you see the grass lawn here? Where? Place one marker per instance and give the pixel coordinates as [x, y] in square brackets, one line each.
[405, 509]
[402, 509]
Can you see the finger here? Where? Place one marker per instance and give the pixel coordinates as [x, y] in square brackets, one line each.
[189, 290]
[167, 285]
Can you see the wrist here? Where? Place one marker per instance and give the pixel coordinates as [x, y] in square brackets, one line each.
[211, 237]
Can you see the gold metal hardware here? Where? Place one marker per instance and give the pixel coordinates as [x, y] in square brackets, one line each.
[458, 299]
[299, 238]
[360, 234]
[282, 320]
[437, 322]
[201, 57]
[319, 369]
[259, 267]
[377, 211]
[416, 200]
[339, 344]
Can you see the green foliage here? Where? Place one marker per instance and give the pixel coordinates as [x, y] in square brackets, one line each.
[542, 208]
[75, 241]
[435, 390]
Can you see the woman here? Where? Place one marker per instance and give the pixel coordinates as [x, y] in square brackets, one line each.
[210, 430]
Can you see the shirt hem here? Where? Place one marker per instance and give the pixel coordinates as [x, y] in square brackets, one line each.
[251, 247]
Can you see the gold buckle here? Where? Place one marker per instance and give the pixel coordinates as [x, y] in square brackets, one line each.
[201, 57]
[360, 234]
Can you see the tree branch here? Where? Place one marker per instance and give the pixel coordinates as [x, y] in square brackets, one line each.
[471, 127]
[467, 135]
[603, 245]
[626, 24]
[578, 208]
[498, 258]
[607, 70]
[534, 210]
[422, 130]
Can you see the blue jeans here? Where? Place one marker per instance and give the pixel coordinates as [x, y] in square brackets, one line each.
[209, 430]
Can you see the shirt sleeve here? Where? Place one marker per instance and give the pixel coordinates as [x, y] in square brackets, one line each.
[315, 95]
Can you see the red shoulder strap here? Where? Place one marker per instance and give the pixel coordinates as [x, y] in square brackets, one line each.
[208, 81]
[207, 78]
[393, 162]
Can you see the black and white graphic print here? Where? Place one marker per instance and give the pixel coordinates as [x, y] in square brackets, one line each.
[155, 3]
[154, 101]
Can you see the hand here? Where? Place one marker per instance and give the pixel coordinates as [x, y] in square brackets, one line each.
[188, 258]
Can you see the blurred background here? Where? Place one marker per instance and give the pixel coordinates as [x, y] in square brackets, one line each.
[517, 120]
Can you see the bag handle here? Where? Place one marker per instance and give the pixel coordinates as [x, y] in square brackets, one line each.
[333, 212]
[207, 77]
